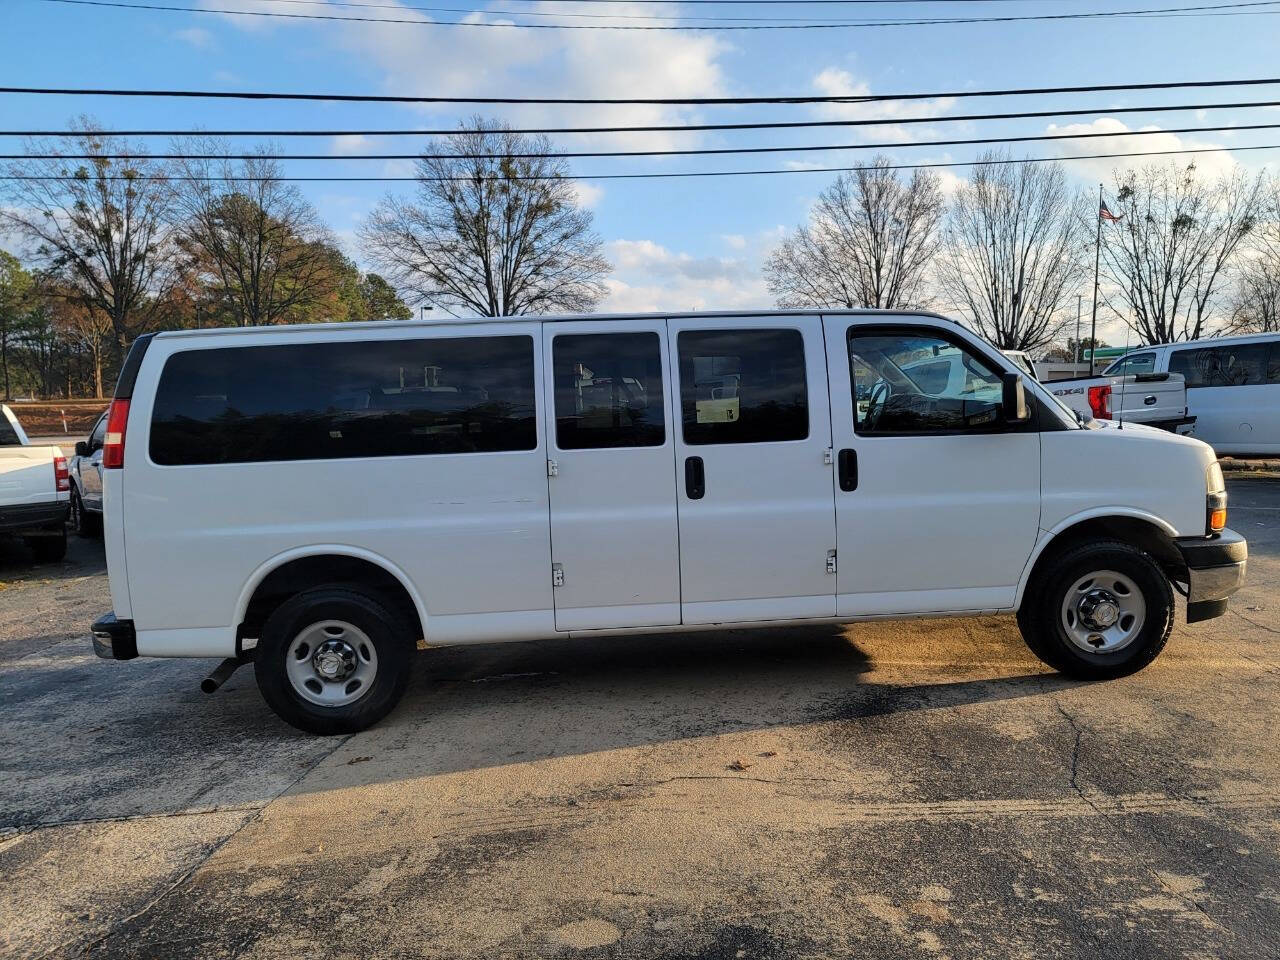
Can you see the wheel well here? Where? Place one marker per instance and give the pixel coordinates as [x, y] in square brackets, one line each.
[1142, 534]
[306, 572]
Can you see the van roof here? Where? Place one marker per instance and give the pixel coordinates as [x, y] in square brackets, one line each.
[1202, 342]
[454, 321]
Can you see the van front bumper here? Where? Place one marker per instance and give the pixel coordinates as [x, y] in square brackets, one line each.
[1215, 570]
[114, 639]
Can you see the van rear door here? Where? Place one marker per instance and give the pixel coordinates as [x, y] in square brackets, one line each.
[611, 460]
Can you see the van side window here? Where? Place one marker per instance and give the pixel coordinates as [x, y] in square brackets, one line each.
[743, 386]
[912, 382]
[1230, 365]
[315, 401]
[1138, 363]
[1273, 363]
[608, 390]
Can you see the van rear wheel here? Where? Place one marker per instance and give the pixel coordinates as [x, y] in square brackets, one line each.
[333, 660]
[1098, 611]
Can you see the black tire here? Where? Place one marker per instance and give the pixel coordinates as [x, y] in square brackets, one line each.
[1041, 619]
[49, 549]
[392, 638]
[85, 523]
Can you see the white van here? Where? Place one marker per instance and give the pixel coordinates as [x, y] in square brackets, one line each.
[318, 499]
[1233, 388]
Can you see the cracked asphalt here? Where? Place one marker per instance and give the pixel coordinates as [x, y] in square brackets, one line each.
[918, 789]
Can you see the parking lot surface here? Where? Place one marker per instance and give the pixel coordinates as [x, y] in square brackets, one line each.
[910, 789]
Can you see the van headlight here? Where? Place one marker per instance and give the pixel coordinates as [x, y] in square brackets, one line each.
[1215, 499]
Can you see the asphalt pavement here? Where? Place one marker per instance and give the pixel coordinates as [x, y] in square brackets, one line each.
[908, 789]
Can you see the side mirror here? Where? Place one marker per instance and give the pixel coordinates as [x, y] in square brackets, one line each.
[1015, 399]
[82, 448]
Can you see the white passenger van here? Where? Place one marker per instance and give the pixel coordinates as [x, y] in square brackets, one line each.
[1233, 388]
[317, 499]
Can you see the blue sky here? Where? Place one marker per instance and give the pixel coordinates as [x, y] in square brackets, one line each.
[676, 243]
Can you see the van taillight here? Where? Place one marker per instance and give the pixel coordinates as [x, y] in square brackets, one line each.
[1100, 402]
[113, 442]
[61, 476]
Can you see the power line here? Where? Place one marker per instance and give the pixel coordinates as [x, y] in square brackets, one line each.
[693, 173]
[701, 151]
[633, 101]
[653, 128]
[1218, 9]
[605, 16]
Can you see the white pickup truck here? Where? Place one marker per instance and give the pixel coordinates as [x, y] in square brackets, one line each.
[34, 491]
[1152, 399]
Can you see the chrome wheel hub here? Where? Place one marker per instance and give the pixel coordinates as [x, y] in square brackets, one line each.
[1103, 612]
[331, 663]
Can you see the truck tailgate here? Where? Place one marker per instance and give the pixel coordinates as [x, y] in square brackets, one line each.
[1149, 399]
[26, 476]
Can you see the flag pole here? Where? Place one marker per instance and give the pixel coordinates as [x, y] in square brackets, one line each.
[1079, 310]
[1093, 327]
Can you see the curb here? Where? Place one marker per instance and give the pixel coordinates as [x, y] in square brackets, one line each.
[1231, 465]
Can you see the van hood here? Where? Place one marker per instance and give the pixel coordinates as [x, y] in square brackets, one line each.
[1140, 431]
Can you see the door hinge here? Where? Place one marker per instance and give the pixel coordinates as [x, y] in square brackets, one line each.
[553, 469]
[831, 561]
[557, 574]
[828, 456]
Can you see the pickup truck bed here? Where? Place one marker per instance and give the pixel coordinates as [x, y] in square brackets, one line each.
[34, 490]
[1153, 399]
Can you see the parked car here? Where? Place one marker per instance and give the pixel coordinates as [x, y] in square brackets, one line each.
[1232, 384]
[1153, 399]
[33, 491]
[86, 482]
[251, 515]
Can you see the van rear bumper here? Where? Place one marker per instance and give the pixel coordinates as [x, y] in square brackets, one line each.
[114, 639]
[1215, 571]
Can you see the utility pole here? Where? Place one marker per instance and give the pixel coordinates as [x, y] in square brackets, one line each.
[1079, 307]
[1097, 249]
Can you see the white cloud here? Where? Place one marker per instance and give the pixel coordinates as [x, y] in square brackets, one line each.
[1213, 163]
[649, 277]
[588, 194]
[479, 61]
[196, 37]
[834, 82]
[350, 144]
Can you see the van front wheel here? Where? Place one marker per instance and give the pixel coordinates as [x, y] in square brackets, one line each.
[333, 660]
[1097, 611]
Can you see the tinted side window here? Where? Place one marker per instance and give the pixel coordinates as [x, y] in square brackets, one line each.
[608, 390]
[743, 386]
[1229, 365]
[1273, 364]
[920, 383]
[8, 435]
[315, 401]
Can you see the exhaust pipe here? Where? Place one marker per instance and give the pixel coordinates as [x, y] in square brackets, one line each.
[220, 675]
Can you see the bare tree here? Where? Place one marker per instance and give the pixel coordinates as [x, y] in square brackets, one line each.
[1012, 251]
[1175, 247]
[103, 224]
[1255, 306]
[253, 240]
[868, 242]
[494, 229]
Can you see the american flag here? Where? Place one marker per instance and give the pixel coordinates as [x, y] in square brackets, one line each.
[1106, 214]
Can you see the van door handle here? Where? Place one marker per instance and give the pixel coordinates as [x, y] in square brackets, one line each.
[695, 478]
[848, 469]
